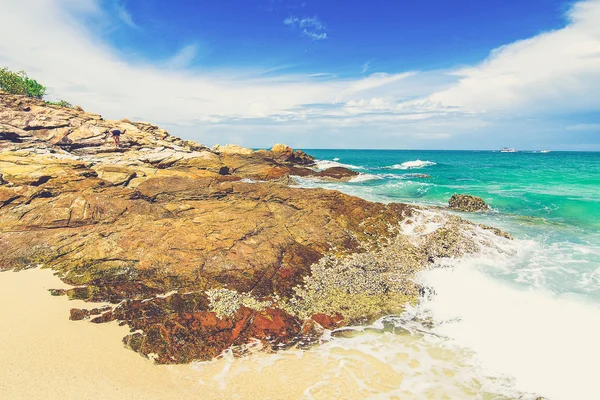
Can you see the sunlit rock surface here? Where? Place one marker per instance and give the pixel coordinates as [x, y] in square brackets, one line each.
[200, 249]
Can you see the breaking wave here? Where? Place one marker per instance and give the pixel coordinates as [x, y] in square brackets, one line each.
[543, 340]
[412, 165]
[365, 178]
[325, 164]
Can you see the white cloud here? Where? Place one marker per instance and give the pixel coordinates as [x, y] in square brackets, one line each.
[85, 71]
[126, 17]
[377, 80]
[365, 67]
[556, 71]
[183, 58]
[315, 36]
[310, 27]
[78, 67]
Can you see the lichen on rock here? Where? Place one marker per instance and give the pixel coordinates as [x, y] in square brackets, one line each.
[360, 286]
[226, 302]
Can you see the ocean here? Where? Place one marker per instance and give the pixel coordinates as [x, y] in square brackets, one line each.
[518, 322]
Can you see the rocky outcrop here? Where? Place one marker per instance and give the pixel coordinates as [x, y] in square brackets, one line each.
[468, 203]
[338, 174]
[231, 149]
[287, 154]
[200, 250]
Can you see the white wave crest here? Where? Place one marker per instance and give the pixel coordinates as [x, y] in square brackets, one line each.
[325, 164]
[365, 178]
[412, 164]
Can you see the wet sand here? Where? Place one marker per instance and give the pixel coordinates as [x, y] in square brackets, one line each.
[44, 355]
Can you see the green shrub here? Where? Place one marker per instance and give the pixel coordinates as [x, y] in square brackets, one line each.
[20, 83]
[60, 103]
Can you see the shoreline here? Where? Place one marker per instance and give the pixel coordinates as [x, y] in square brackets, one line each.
[47, 356]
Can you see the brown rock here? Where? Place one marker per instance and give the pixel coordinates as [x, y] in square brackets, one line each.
[465, 202]
[232, 149]
[337, 174]
[287, 154]
[329, 322]
[281, 148]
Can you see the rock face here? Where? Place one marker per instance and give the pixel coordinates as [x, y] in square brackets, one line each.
[231, 149]
[200, 250]
[468, 203]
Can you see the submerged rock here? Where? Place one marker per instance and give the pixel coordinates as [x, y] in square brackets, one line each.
[468, 203]
[417, 176]
[336, 174]
[201, 250]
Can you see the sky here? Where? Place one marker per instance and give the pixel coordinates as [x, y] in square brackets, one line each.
[385, 74]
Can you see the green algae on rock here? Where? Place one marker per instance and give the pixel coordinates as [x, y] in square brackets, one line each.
[468, 203]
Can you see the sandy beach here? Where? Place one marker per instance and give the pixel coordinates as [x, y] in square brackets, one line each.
[47, 356]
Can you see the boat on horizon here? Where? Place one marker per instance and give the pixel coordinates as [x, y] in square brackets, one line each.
[507, 150]
[545, 151]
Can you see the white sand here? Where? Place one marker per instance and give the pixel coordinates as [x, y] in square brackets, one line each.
[44, 355]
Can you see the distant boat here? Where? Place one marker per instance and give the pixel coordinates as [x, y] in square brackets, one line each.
[545, 151]
[507, 150]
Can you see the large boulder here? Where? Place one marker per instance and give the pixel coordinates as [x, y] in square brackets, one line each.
[468, 203]
[287, 154]
[337, 174]
[231, 149]
[281, 148]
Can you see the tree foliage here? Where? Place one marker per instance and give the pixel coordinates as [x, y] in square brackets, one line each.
[20, 83]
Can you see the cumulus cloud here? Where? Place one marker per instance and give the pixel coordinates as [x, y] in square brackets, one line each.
[79, 67]
[556, 71]
[83, 70]
[310, 27]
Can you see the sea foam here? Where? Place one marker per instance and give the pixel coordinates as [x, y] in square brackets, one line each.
[412, 165]
[365, 178]
[546, 342]
[325, 164]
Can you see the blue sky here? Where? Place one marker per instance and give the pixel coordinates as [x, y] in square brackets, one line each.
[325, 74]
[395, 36]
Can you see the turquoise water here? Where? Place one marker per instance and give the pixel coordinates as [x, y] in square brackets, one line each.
[562, 187]
[530, 311]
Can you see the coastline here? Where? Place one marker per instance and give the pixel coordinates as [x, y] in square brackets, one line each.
[47, 356]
